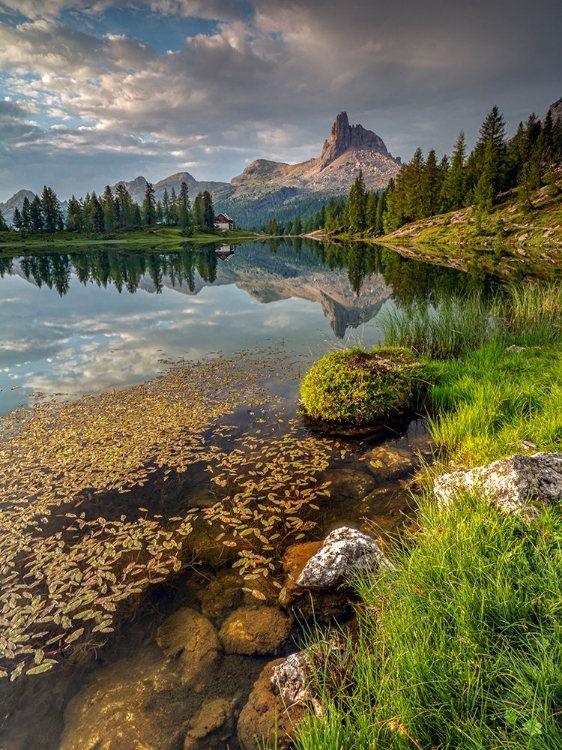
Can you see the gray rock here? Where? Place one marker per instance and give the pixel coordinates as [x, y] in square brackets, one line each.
[510, 483]
[344, 551]
[290, 678]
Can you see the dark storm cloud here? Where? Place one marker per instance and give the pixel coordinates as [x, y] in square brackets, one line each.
[269, 81]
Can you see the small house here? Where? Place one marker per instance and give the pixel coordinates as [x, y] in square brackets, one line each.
[222, 221]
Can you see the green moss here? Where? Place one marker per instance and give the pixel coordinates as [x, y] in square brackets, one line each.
[357, 386]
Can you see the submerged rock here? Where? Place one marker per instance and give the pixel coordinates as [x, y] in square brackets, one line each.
[191, 639]
[125, 706]
[510, 483]
[255, 630]
[344, 551]
[265, 716]
[214, 724]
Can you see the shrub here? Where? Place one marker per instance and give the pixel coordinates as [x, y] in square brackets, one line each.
[357, 386]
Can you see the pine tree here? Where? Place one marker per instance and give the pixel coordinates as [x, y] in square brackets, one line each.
[74, 216]
[453, 190]
[36, 215]
[166, 208]
[185, 219]
[3, 225]
[296, 228]
[125, 208]
[26, 215]
[431, 185]
[174, 214]
[109, 213]
[52, 213]
[356, 204]
[16, 219]
[149, 206]
[371, 209]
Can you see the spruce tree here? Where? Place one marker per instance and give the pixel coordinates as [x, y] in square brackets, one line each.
[453, 190]
[356, 204]
[74, 216]
[149, 206]
[36, 215]
[185, 220]
[109, 213]
[3, 225]
[16, 219]
[26, 215]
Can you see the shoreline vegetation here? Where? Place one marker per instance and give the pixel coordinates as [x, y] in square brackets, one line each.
[462, 646]
[159, 235]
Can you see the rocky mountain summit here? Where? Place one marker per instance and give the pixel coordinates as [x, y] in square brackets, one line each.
[351, 148]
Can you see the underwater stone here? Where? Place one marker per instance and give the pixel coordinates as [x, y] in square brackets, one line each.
[344, 551]
[509, 483]
[191, 638]
[255, 630]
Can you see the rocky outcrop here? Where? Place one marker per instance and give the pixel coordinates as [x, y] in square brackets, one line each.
[345, 136]
[512, 484]
[351, 148]
[343, 552]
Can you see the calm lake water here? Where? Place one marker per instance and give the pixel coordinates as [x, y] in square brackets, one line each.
[99, 322]
[89, 321]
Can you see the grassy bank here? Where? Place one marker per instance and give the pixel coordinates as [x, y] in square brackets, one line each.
[462, 647]
[146, 237]
[538, 224]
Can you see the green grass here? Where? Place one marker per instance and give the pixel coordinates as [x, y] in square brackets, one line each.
[158, 235]
[461, 648]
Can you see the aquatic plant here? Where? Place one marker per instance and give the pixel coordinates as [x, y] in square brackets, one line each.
[356, 386]
[267, 489]
[77, 532]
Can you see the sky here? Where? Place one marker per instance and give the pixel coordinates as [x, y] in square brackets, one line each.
[96, 91]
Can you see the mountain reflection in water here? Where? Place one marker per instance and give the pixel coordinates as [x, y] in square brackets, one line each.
[99, 318]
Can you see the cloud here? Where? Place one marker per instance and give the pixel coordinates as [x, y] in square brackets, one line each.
[266, 81]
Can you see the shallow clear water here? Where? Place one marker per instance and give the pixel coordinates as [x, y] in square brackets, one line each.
[107, 319]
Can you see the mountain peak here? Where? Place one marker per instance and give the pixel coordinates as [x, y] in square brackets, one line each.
[344, 136]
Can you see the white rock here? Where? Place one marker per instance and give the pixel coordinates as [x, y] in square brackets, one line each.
[509, 483]
[344, 551]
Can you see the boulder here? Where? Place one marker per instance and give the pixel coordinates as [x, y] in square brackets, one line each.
[214, 724]
[510, 483]
[126, 705]
[343, 552]
[320, 605]
[291, 680]
[191, 639]
[255, 630]
[265, 716]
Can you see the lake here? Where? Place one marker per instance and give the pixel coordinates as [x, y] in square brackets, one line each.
[150, 405]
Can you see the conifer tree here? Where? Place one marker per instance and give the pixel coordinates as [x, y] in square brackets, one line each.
[185, 220]
[149, 206]
[453, 191]
[109, 213]
[52, 213]
[356, 204]
[36, 218]
[26, 215]
[16, 219]
[74, 216]
[3, 225]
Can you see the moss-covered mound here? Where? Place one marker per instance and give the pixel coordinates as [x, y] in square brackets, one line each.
[357, 387]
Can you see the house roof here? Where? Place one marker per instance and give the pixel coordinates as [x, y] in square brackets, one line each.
[224, 217]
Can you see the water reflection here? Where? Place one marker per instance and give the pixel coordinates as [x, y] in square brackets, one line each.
[105, 317]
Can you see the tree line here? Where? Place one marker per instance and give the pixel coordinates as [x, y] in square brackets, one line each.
[427, 186]
[113, 212]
